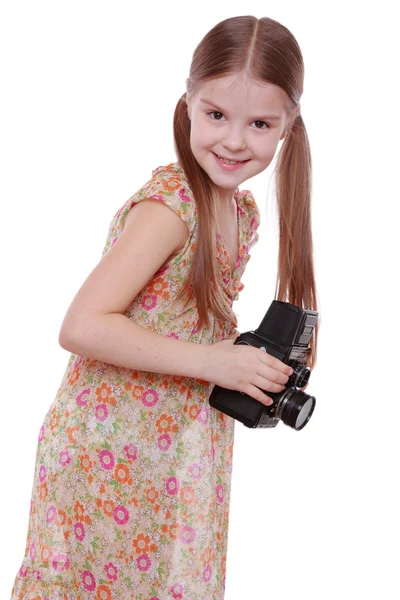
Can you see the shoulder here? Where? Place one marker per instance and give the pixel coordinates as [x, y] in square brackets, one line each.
[168, 184]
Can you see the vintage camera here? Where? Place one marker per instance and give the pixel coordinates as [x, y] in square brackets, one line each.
[285, 333]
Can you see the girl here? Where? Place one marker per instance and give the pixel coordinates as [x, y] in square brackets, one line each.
[131, 492]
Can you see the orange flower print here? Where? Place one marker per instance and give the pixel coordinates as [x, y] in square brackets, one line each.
[158, 286]
[103, 592]
[104, 394]
[171, 184]
[138, 391]
[43, 491]
[73, 377]
[79, 512]
[188, 495]
[72, 434]
[61, 518]
[85, 463]
[54, 421]
[141, 543]
[151, 494]
[122, 474]
[163, 424]
[108, 507]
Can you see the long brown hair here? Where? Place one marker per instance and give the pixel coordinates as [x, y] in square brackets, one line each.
[267, 51]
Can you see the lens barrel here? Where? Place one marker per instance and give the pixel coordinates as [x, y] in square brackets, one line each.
[295, 408]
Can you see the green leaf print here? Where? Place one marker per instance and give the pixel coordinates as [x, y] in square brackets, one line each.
[116, 485]
[116, 427]
[106, 445]
[94, 545]
[171, 472]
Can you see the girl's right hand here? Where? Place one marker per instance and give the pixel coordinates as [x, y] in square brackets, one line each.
[246, 369]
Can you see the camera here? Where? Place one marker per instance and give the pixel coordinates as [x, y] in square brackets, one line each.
[285, 333]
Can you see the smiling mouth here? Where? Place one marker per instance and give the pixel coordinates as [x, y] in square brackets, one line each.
[229, 160]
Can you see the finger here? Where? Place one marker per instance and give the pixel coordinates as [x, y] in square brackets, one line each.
[274, 362]
[254, 392]
[268, 385]
[273, 375]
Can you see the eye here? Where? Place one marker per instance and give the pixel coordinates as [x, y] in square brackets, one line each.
[216, 112]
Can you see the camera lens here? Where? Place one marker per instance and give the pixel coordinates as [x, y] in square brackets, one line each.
[296, 408]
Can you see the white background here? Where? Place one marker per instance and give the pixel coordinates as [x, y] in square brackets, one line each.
[88, 95]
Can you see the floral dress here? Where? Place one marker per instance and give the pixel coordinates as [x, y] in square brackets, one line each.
[131, 488]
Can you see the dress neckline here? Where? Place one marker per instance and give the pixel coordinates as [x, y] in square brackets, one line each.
[223, 243]
[238, 195]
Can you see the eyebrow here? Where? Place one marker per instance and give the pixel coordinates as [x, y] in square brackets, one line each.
[271, 117]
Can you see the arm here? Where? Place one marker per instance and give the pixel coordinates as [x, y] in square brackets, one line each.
[116, 339]
[95, 325]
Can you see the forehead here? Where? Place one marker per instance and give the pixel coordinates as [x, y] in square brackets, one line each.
[237, 92]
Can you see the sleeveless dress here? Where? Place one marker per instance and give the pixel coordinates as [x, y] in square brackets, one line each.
[131, 488]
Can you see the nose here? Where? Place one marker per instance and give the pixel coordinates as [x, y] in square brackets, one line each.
[234, 139]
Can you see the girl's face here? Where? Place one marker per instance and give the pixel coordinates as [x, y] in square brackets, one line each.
[244, 121]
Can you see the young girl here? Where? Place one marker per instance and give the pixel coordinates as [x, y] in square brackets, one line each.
[131, 491]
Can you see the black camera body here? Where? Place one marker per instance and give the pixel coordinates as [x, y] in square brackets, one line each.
[285, 333]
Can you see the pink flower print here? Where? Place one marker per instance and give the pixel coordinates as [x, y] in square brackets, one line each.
[149, 301]
[101, 412]
[32, 552]
[77, 361]
[172, 486]
[154, 598]
[106, 459]
[220, 493]
[164, 442]
[202, 415]
[143, 562]
[112, 571]
[41, 434]
[130, 451]
[81, 398]
[60, 562]
[79, 531]
[158, 197]
[177, 591]
[42, 473]
[187, 534]
[23, 572]
[115, 240]
[149, 397]
[173, 335]
[195, 471]
[88, 580]
[121, 515]
[51, 513]
[182, 195]
[64, 458]
[207, 573]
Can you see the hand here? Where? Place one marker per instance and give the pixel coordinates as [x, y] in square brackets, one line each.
[245, 369]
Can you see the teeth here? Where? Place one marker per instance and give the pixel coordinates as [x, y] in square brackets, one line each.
[229, 162]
